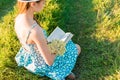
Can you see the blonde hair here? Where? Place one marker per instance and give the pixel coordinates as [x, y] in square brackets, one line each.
[22, 6]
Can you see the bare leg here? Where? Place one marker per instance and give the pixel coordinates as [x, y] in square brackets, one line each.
[79, 49]
[71, 76]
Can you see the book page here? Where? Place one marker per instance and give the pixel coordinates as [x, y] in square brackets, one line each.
[67, 37]
[59, 34]
[56, 34]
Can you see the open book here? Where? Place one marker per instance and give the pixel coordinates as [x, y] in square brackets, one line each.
[59, 34]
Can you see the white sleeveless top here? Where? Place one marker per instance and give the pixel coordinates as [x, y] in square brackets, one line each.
[26, 34]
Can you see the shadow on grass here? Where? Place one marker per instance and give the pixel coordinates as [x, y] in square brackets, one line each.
[98, 58]
[5, 7]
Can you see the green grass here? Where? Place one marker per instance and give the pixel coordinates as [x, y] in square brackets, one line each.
[96, 28]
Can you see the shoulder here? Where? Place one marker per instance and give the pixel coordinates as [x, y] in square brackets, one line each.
[23, 22]
[19, 22]
[17, 19]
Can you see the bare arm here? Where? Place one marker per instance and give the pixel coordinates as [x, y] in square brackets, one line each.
[39, 39]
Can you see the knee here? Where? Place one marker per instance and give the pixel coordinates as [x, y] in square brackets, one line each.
[79, 49]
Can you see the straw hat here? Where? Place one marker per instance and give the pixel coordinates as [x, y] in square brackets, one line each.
[28, 0]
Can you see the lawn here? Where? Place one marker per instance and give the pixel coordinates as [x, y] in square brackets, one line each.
[96, 28]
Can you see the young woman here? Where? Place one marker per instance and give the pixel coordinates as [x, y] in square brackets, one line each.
[34, 54]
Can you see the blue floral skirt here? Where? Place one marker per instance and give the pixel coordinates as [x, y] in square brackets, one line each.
[61, 67]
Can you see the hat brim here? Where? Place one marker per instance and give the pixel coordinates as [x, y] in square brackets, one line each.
[28, 0]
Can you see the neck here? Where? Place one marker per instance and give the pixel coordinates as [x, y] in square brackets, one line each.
[29, 15]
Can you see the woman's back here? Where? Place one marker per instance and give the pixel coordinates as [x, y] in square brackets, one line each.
[22, 27]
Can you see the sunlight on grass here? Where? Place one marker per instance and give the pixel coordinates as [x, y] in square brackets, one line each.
[108, 34]
[108, 15]
[115, 76]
